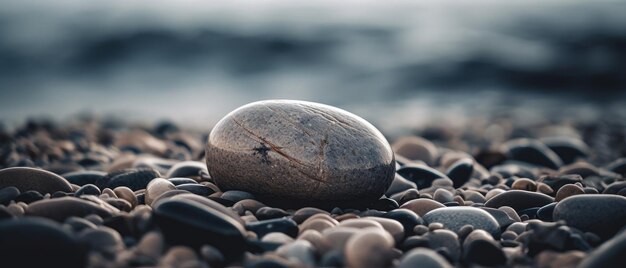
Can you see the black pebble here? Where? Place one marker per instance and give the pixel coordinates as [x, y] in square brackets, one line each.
[283, 225]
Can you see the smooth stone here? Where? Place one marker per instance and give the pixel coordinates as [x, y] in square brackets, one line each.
[568, 149]
[423, 176]
[29, 197]
[127, 194]
[583, 169]
[399, 184]
[32, 179]
[316, 224]
[407, 218]
[8, 193]
[503, 219]
[302, 214]
[405, 196]
[567, 191]
[62, 208]
[480, 248]
[102, 239]
[247, 204]
[519, 200]
[282, 225]
[446, 241]
[277, 237]
[179, 181]
[134, 178]
[384, 204]
[157, 187]
[609, 254]
[603, 215]
[87, 189]
[474, 196]
[545, 213]
[212, 256]
[533, 152]
[266, 213]
[78, 224]
[454, 218]
[300, 251]
[423, 257]
[369, 248]
[311, 153]
[195, 188]
[556, 182]
[393, 227]
[190, 223]
[151, 245]
[236, 196]
[83, 177]
[422, 206]
[186, 169]
[443, 196]
[461, 171]
[38, 242]
[416, 148]
[524, 184]
[210, 203]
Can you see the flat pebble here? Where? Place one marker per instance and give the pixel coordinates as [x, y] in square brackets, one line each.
[26, 179]
[422, 206]
[186, 222]
[519, 200]
[62, 208]
[454, 218]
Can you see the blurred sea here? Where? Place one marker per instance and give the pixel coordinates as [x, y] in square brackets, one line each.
[399, 64]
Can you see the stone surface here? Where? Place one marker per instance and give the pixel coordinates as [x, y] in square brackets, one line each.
[37, 242]
[187, 222]
[25, 179]
[603, 215]
[303, 151]
[62, 208]
[454, 218]
[533, 152]
[519, 200]
[423, 257]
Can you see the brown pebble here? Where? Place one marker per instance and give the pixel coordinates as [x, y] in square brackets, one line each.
[26, 179]
[567, 191]
[422, 206]
[126, 194]
[157, 187]
[369, 248]
[524, 184]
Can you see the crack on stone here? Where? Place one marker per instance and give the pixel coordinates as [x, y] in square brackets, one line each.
[330, 117]
[322, 156]
[294, 123]
[264, 151]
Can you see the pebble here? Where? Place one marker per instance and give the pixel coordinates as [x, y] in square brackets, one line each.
[480, 248]
[416, 148]
[302, 214]
[195, 188]
[310, 152]
[423, 257]
[422, 175]
[609, 254]
[519, 200]
[134, 178]
[369, 248]
[87, 189]
[446, 241]
[157, 187]
[83, 177]
[8, 193]
[37, 242]
[179, 181]
[533, 152]
[186, 169]
[399, 184]
[282, 225]
[407, 218]
[461, 171]
[567, 191]
[453, 218]
[60, 209]
[186, 222]
[27, 179]
[603, 215]
[127, 194]
[422, 206]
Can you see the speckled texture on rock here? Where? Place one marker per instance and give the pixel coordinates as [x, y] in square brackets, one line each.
[299, 151]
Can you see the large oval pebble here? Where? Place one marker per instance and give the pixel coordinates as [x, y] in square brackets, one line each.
[300, 151]
[600, 214]
[454, 218]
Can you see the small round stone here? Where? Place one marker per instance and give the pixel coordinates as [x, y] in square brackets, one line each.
[26, 179]
[156, 188]
[519, 200]
[300, 151]
[369, 248]
[567, 191]
[422, 206]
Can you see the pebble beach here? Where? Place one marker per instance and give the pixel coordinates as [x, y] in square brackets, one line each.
[98, 193]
